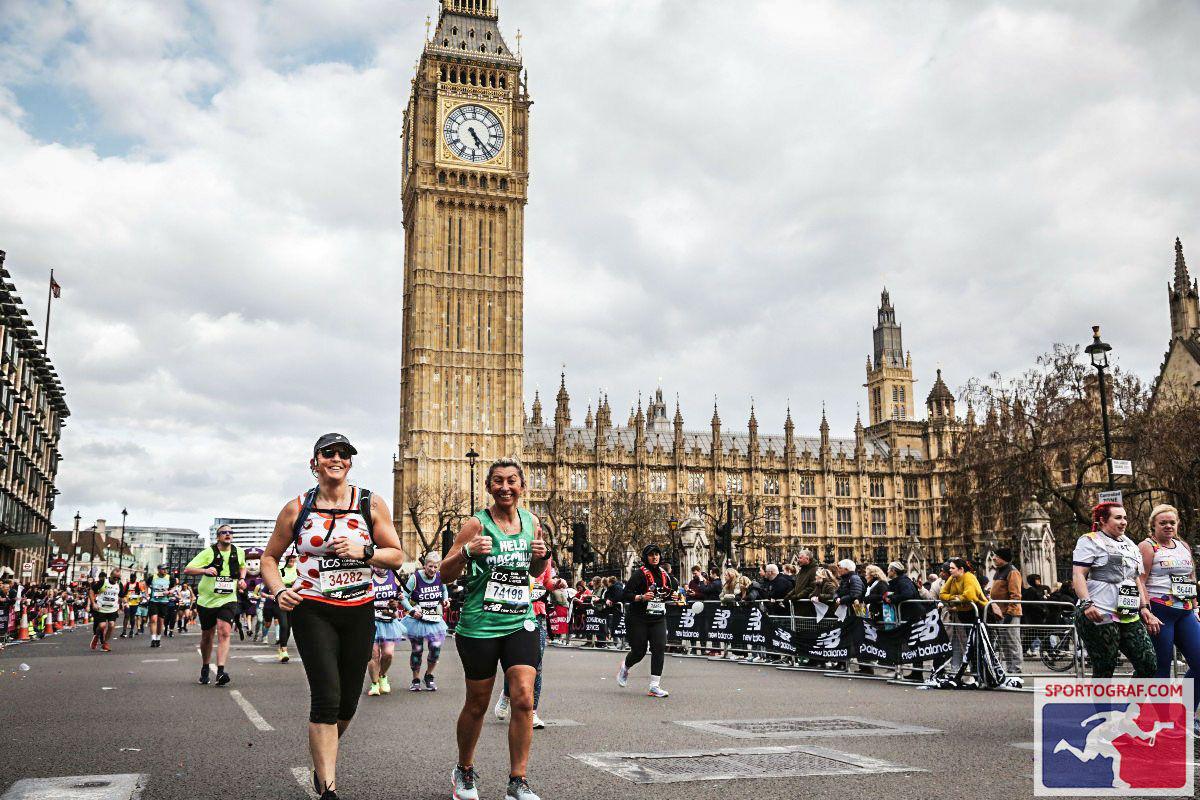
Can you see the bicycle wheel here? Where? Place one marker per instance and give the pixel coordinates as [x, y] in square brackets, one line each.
[1059, 652]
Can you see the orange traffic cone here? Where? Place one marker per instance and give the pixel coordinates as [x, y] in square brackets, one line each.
[23, 627]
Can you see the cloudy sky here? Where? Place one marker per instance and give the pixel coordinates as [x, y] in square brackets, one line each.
[719, 192]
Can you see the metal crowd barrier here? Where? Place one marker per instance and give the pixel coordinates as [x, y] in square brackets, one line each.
[1037, 650]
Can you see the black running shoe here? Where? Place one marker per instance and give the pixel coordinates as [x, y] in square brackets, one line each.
[204, 675]
[223, 678]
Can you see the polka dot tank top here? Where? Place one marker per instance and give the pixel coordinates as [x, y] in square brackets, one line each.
[320, 574]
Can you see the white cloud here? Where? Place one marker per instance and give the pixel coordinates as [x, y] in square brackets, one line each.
[719, 191]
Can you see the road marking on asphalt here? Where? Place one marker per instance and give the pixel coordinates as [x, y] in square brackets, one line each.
[251, 711]
[79, 787]
[303, 776]
[158, 660]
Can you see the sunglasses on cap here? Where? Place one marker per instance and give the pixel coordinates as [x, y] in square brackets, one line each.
[330, 452]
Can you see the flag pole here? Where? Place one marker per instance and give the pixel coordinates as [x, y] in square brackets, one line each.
[49, 296]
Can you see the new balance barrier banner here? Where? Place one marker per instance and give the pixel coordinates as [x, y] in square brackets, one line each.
[831, 639]
[907, 642]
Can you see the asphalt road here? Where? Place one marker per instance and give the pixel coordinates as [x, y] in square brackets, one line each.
[138, 710]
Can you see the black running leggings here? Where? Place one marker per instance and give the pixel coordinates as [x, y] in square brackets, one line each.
[273, 611]
[642, 632]
[335, 645]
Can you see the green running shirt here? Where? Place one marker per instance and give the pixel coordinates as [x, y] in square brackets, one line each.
[207, 593]
[498, 587]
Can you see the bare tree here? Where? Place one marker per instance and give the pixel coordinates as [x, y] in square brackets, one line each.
[623, 521]
[445, 504]
[1041, 436]
[749, 532]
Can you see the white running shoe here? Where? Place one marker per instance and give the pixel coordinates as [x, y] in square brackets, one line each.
[462, 782]
[518, 789]
[501, 709]
[623, 675]
[537, 722]
[658, 691]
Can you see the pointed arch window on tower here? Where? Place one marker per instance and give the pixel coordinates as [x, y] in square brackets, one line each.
[841, 485]
[771, 484]
[620, 480]
[658, 481]
[695, 482]
[876, 482]
[734, 483]
[806, 485]
[845, 524]
[879, 522]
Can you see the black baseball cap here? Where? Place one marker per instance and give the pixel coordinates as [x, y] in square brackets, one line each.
[330, 439]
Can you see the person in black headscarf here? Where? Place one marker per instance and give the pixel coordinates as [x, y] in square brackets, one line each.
[647, 591]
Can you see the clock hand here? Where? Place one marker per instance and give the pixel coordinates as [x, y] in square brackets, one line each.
[475, 136]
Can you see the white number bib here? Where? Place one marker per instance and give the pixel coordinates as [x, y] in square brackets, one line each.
[223, 585]
[431, 611]
[656, 608]
[506, 592]
[1182, 587]
[344, 579]
[1128, 599]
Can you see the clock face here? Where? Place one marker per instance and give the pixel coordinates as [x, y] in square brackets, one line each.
[473, 133]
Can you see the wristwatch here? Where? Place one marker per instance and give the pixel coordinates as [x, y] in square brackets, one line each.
[1085, 604]
[368, 552]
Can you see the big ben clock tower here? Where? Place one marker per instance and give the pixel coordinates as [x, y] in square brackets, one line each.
[464, 187]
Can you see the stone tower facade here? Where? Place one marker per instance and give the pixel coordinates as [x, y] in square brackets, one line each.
[889, 376]
[465, 167]
[1183, 300]
[1179, 376]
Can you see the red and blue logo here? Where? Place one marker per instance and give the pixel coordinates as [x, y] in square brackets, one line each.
[1117, 738]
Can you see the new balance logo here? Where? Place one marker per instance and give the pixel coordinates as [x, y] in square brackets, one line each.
[830, 639]
[926, 629]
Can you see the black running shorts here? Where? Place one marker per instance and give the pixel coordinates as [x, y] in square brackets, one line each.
[480, 656]
[209, 616]
[159, 609]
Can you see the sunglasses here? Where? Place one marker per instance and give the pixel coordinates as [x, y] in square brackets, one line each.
[330, 452]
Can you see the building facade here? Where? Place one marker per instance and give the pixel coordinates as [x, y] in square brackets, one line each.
[464, 187]
[877, 496]
[32, 413]
[247, 533]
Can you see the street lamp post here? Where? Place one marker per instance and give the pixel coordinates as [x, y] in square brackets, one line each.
[676, 548]
[74, 547]
[1098, 352]
[471, 456]
[121, 552]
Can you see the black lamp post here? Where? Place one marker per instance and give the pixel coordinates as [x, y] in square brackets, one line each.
[1098, 352]
[673, 527]
[471, 456]
[74, 547]
[121, 552]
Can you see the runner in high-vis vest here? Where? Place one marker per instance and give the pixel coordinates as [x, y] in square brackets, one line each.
[340, 532]
[273, 614]
[497, 548]
[223, 567]
[425, 626]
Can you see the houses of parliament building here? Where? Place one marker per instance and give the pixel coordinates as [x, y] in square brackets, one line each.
[464, 189]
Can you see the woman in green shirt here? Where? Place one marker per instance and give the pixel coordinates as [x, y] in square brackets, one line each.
[497, 550]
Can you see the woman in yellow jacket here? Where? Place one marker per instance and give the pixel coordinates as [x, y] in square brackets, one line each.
[963, 594]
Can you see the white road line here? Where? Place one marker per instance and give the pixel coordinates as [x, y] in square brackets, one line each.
[158, 660]
[303, 776]
[79, 787]
[251, 711]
